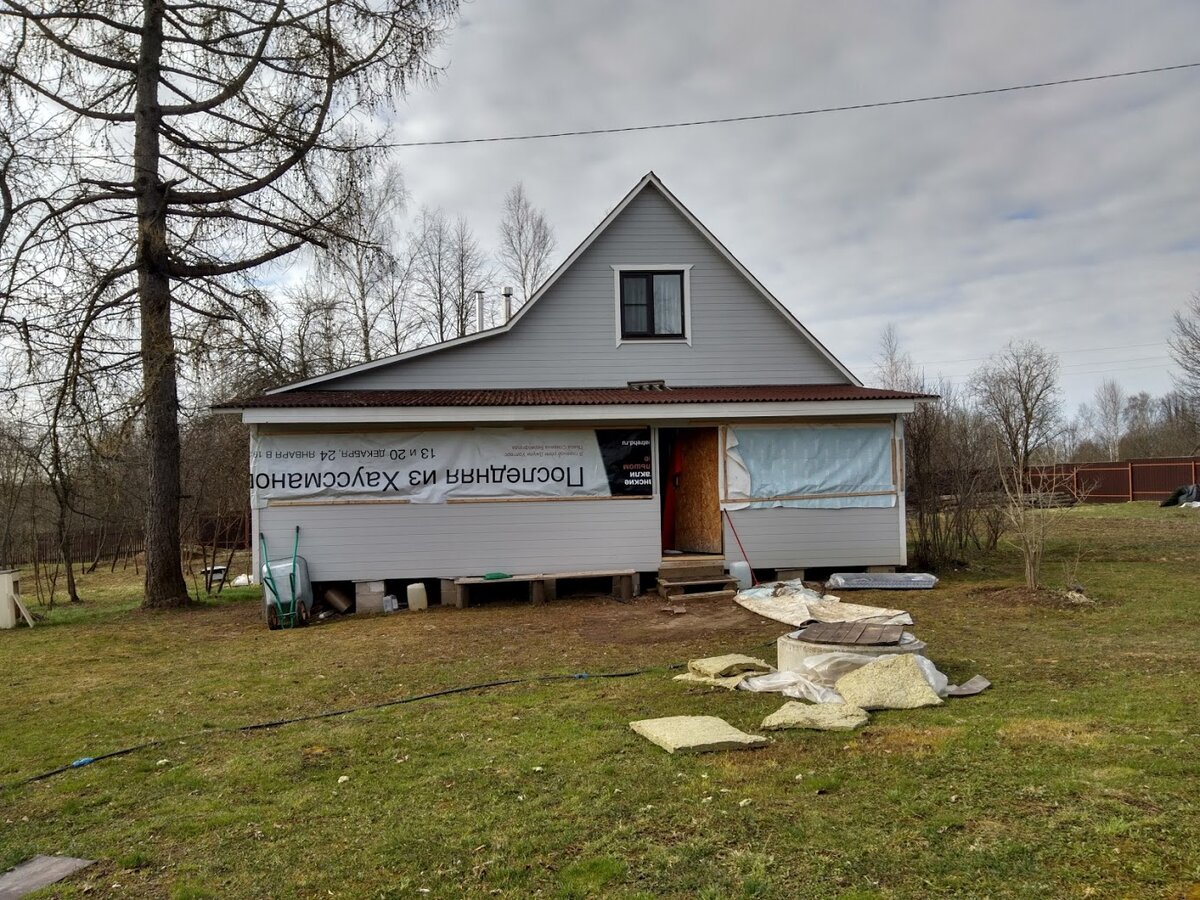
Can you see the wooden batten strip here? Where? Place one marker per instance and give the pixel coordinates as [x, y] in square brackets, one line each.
[836, 496]
[340, 501]
[544, 499]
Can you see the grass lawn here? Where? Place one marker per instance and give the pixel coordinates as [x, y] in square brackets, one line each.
[1075, 776]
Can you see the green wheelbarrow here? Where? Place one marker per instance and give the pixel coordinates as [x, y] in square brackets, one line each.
[287, 591]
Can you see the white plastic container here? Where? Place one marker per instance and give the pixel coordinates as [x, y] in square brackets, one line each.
[416, 597]
[9, 590]
[741, 571]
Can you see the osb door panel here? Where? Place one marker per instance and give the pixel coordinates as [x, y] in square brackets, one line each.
[698, 504]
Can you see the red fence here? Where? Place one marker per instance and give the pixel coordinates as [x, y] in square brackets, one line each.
[1118, 482]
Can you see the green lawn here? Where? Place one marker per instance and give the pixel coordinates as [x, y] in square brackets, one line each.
[1075, 776]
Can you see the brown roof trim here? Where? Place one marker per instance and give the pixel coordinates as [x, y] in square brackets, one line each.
[467, 397]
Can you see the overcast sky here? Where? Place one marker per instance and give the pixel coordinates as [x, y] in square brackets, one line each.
[1070, 215]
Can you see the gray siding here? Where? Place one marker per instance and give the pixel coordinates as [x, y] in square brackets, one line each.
[403, 541]
[421, 540]
[797, 538]
[568, 339]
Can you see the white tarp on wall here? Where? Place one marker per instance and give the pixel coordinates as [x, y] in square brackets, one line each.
[809, 466]
[436, 466]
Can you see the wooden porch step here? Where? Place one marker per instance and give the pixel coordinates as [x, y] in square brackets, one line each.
[693, 582]
[693, 571]
[705, 595]
[692, 566]
[681, 588]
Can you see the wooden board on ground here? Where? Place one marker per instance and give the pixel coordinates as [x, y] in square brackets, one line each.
[23, 611]
[37, 873]
[860, 633]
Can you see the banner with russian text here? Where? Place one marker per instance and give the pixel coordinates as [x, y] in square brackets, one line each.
[437, 466]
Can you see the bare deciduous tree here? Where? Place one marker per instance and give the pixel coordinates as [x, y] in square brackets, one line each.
[1184, 344]
[1017, 390]
[183, 147]
[894, 368]
[949, 481]
[447, 268]
[430, 244]
[369, 274]
[1109, 404]
[471, 273]
[526, 242]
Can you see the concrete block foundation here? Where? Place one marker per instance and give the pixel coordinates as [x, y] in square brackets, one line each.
[368, 596]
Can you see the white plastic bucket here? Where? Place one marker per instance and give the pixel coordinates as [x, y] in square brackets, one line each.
[416, 597]
[741, 571]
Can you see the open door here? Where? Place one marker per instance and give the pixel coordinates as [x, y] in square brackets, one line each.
[692, 498]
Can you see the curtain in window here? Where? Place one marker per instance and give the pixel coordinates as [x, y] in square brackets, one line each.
[668, 304]
[634, 306]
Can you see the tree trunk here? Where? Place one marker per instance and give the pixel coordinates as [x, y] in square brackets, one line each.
[165, 586]
[65, 552]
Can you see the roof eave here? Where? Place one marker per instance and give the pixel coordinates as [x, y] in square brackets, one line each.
[500, 415]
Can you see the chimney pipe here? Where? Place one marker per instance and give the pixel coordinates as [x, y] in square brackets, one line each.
[507, 292]
[479, 310]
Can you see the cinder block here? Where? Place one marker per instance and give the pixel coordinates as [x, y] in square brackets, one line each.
[789, 574]
[368, 596]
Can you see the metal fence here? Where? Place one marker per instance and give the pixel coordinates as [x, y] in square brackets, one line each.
[93, 548]
[1118, 482]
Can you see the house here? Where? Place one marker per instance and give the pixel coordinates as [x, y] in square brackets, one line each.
[651, 400]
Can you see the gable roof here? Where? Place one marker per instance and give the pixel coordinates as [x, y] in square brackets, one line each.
[647, 181]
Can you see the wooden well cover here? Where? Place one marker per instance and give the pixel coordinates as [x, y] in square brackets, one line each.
[851, 633]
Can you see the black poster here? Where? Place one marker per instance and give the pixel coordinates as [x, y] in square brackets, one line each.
[626, 455]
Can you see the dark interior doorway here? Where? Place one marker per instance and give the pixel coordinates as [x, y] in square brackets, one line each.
[689, 463]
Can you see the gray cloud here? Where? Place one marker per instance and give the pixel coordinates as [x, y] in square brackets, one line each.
[1068, 215]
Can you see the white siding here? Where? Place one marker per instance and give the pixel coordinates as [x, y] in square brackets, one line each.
[568, 339]
[785, 538]
[368, 542]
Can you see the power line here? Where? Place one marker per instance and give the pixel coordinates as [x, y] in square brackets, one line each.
[1162, 358]
[820, 110]
[1115, 367]
[942, 362]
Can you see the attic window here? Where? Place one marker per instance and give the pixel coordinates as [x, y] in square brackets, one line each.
[652, 305]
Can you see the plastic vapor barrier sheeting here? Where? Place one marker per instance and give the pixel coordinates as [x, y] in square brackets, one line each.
[768, 467]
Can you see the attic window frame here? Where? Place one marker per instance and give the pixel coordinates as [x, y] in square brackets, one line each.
[685, 271]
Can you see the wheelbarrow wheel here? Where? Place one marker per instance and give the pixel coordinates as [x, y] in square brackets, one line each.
[272, 617]
[302, 614]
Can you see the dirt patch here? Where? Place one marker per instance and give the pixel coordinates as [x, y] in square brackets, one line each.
[1062, 733]
[906, 739]
[643, 621]
[1023, 596]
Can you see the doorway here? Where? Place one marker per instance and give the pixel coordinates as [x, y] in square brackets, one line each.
[689, 463]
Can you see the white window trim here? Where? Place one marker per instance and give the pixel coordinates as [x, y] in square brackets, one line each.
[686, 269]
